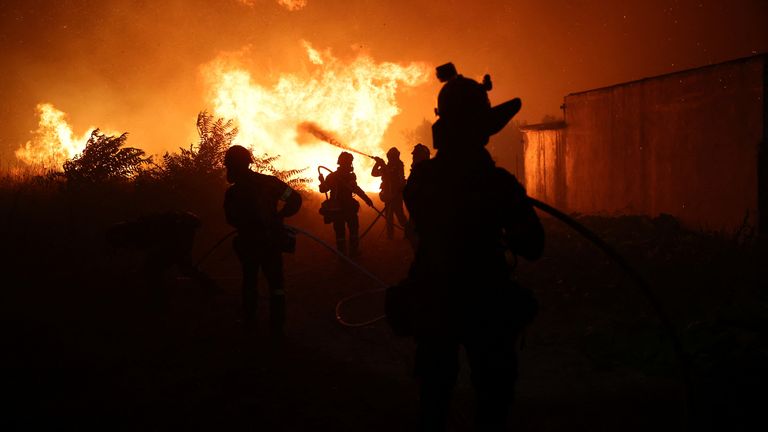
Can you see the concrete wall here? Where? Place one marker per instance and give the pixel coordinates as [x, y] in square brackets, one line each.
[686, 144]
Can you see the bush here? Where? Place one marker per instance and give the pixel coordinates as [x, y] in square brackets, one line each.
[104, 158]
[265, 165]
[207, 157]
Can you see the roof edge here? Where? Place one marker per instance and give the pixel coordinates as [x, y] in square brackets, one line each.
[763, 55]
[555, 125]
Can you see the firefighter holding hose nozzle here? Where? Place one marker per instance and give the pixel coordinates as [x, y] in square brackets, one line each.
[459, 292]
[341, 208]
[392, 173]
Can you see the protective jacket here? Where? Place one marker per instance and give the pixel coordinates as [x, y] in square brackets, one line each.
[250, 205]
[466, 212]
[342, 185]
[392, 179]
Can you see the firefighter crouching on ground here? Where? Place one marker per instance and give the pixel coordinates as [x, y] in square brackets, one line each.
[392, 173]
[250, 205]
[466, 211]
[341, 209]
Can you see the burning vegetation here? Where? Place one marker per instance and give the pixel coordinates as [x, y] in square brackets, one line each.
[355, 101]
[288, 126]
[84, 348]
[53, 142]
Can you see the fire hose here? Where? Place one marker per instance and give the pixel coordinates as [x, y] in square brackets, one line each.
[677, 345]
[376, 219]
[320, 173]
[581, 229]
[379, 213]
[346, 259]
[327, 137]
[640, 281]
[603, 246]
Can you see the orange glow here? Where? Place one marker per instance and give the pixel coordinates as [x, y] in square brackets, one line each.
[355, 101]
[53, 142]
[291, 5]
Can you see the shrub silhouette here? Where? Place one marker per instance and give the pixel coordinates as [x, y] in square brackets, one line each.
[265, 165]
[104, 158]
[207, 156]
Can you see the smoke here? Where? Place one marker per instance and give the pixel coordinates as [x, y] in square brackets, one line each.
[325, 136]
[134, 66]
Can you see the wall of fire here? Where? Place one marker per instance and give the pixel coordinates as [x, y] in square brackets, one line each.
[692, 144]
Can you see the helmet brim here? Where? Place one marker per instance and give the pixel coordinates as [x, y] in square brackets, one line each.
[501, 115]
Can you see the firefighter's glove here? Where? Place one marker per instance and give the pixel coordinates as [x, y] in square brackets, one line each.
[321, 178]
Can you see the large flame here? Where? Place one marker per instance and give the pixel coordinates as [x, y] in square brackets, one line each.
[355, 101]
[53, 142]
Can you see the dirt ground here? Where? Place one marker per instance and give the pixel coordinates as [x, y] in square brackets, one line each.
[83, 350]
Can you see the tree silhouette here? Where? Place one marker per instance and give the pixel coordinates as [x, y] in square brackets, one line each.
[104, 158]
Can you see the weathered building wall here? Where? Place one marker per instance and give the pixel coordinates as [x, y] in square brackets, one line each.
[544, 150]
[686, 144]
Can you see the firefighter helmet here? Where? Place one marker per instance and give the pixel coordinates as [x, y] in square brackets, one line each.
[237, 156]
[464, 102]
[461, 97]
[345, 159]
[420, 151]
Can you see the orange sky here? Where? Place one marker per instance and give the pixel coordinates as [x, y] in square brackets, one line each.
[135, 65]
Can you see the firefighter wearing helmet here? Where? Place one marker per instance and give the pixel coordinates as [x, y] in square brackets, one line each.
[392, 173]
[459, 291]
[420, 153]
[341, 208]
[251, 206]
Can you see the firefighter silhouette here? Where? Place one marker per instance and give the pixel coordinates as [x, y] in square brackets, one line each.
[341, 208]
[165, 240]
[459, 291]
[420, 153]
[251, 206]
[392, 173]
